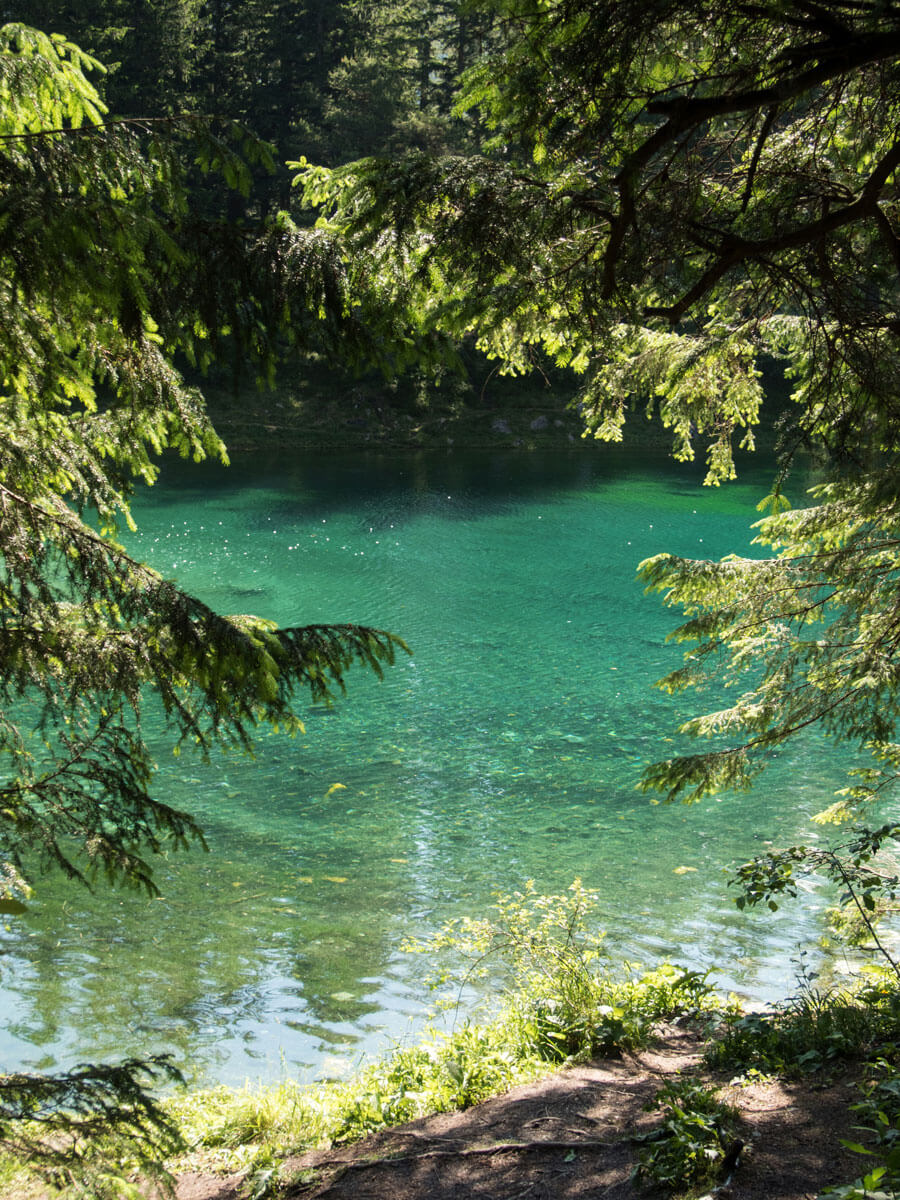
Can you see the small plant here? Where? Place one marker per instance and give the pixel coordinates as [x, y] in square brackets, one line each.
[695, 1141]
[860, 867]
[562, 992]
[879, 1114]
[543, 944]
[814, 1028]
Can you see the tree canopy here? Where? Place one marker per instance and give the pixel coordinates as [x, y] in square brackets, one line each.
[671, 195]
[330, 79]
[668, 194]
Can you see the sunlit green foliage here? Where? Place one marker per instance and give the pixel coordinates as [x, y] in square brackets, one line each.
[817, 1028]
[331, 79]
[670, 195]
[694, 1139]
[93, 294]
[806, 637]
[562, 990]
[654, 163]
[83, 1130]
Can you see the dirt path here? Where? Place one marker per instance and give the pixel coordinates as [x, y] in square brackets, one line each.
[569, 1136]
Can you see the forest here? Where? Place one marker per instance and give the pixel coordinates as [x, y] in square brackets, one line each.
[417, 216]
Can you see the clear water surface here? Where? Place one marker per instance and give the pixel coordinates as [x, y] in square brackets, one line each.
[507, 748]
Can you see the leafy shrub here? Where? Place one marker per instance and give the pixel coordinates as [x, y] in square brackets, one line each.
[863, 867]
[879, 1113]
[562, 991]
[694, 1140]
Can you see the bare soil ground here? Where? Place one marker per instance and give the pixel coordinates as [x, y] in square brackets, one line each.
[569, 1137]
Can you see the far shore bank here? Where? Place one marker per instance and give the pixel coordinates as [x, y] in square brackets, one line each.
[519, 415]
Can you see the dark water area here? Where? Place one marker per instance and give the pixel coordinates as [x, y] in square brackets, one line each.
[508, 747]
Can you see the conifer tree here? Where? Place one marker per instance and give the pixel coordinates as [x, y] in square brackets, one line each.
[397, 87]
[105, 279]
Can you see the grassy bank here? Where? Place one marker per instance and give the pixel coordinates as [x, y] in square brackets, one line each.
[532, 1033]
[564, 1002]
[815, 1036]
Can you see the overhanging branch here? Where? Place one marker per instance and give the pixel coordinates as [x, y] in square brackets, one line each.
[737, 250]
[685, 113]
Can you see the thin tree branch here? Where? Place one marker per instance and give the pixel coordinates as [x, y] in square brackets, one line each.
[100, 126]
[757, 152]
[737, 250]
[684, 113]
[871, 48]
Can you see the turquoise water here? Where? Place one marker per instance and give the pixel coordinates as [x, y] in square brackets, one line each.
[506, 748]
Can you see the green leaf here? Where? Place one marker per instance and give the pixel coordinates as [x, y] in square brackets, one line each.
[856, 1147]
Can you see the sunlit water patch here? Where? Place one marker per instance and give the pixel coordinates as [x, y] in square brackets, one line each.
[508, 747]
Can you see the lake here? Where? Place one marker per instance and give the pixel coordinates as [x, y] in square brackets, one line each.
[506, 748]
